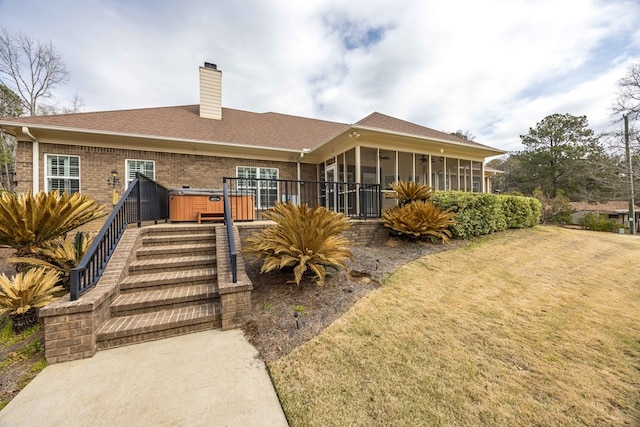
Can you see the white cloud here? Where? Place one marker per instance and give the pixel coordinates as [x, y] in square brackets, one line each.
[494, 68]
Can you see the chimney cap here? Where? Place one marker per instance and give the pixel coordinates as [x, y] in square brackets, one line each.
[210, 65]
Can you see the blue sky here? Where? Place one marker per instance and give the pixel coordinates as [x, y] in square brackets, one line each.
[494, 68]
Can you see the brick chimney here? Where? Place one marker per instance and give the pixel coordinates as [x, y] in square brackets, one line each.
[210, 92]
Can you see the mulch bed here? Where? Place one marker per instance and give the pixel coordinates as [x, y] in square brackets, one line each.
[285, 315]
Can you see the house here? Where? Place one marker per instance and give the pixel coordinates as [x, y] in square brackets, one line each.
[617, 210]
[197, 145]
[120, 292]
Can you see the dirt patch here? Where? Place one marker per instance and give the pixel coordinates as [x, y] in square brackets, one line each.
[6, 268]
[285, 315]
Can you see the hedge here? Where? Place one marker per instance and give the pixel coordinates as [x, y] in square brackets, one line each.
[482, 213]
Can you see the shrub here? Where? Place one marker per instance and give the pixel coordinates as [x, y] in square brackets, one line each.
[408, 191]
[61, 255]
[25, 292]
[27, 221]
[420, 220]
[595, 222]
[308, 239]
[481, 213]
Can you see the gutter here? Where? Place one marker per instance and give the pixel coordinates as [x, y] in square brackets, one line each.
[35, 161]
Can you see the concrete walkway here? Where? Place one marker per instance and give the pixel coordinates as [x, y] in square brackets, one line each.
[209, 378]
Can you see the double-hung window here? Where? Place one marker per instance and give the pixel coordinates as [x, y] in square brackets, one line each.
[145, 167]
[259, 182]
[62, 173]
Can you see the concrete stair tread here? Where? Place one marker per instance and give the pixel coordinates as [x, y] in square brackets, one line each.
[126, 326]
[166, 296]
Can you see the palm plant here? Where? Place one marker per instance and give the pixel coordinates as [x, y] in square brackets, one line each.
[25, 292]
[61, 255]
[420, 220]
[408, 192]
[308, 239]
[27, 221]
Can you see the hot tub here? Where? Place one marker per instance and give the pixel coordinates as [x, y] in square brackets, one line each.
[194, 204]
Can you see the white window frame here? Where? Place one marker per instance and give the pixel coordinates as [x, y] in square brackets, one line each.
[257, 190]
[127, 169]
[66, 177]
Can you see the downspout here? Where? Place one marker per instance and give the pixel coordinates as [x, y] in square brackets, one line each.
[35, 161]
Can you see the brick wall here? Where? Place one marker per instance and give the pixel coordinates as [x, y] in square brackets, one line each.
[70, 327]
[172, 169]
[363, 233]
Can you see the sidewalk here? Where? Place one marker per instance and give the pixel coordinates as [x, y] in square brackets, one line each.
[210, 378]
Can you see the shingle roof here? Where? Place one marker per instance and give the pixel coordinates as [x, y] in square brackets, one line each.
[184, 122]
[613, 206]
[239, 127]
[382, 121]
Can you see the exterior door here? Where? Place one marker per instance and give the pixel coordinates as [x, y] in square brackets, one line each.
[331, 193]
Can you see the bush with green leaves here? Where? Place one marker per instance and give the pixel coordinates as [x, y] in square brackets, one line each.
[482, 213]
[420, 220]
[307, 239]
[595, 222]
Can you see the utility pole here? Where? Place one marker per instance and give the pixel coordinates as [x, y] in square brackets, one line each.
[632, 202]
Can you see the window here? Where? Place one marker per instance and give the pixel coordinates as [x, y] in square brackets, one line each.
[63, 173]
[265, 192]
[145, 167]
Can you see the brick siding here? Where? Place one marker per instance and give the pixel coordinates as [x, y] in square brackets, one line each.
[172, 169]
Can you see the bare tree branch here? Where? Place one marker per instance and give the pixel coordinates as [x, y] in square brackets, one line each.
[30, 69]
[628, 99]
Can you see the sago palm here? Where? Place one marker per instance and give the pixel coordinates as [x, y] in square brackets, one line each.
[408, 192]
[27, 220]
[420, 220]
[308, 239]
[25, 292]
[61, 255]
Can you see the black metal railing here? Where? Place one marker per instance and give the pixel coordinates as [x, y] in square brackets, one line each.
[228, 221]
[249, 198]
[144, 200]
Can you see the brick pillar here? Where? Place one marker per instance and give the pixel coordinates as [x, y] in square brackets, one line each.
[235, 298]
[236, 309]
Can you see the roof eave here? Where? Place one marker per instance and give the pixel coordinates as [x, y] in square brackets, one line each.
[146, 137]
[440, 140]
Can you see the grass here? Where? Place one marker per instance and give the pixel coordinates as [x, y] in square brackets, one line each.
[21, 358]
[531, 327]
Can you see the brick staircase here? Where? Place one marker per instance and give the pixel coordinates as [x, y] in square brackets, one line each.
[171, 288]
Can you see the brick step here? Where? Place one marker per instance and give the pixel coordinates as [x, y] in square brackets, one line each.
[171, 251]
[162, 299]
[125, 330]
[157, 281]
[178, 239]
[172, 264]
[189, 228]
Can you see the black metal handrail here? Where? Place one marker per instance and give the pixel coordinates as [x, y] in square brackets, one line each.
[251, 197]
[143, 200]
[228, 221]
